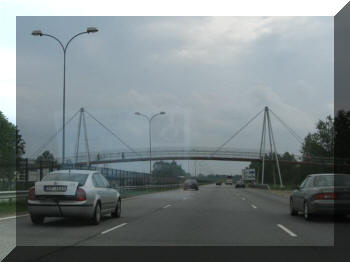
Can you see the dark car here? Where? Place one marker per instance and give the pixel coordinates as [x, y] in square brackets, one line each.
[218, 183]
[240, 184]
[322, 194]
[191, 184]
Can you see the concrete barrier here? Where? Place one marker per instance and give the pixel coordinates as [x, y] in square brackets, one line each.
[260, 186]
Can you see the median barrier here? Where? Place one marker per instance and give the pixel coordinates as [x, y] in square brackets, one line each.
[260, 186]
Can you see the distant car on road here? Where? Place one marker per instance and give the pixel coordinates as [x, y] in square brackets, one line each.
[73, 193]
[191, 184]
[218, 183]
[322, 194]
[228, 180]
[240, 184]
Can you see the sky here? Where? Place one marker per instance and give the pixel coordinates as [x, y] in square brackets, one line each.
[209, 74]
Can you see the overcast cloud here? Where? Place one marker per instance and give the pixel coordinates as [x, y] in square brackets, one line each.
[210, 75]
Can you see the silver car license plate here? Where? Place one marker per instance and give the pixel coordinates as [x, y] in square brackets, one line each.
[55, 188]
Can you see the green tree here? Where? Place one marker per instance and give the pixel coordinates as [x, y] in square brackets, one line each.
[342, 139]
[167, 172]
[46, 157]
[288, 167]
[12, 147]
[321, 142]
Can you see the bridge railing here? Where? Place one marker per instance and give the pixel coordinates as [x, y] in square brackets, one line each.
[193, 152]
[159, 153]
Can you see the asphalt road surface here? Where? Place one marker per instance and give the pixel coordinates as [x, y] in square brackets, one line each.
[214, 215]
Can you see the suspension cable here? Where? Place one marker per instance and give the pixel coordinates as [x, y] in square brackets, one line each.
[235, 134]
[290, 130]
[111, 132]
[39, 150]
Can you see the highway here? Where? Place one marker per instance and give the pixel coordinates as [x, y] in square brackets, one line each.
[214, 215]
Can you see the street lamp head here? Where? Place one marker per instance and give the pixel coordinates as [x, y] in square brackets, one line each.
[137, 113]
[91, 30]
[162, 113]
[37, 33]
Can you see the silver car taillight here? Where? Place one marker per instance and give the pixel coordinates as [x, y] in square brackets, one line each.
[81, 195]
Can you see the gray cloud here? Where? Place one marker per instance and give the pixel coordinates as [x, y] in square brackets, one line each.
[209, 74]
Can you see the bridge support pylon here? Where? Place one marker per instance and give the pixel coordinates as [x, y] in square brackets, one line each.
[273, 151]
[82, 120]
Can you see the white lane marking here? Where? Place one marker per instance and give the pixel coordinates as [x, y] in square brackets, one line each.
[129, 198]
[11, 217]
[166, 206]
[113, 228]
[253, 206]
[286, 230]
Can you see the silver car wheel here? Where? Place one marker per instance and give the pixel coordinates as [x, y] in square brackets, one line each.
[95, 220]
[119, 209]
[292, 211]
[98, 213]
[306, 211]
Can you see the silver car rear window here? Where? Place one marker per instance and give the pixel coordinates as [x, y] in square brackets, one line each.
[80, 178]
[338, 180]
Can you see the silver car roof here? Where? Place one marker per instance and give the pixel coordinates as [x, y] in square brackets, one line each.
[327, 174]
[74, 171]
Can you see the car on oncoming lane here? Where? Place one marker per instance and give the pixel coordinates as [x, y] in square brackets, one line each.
[73, 193]
[322, 194]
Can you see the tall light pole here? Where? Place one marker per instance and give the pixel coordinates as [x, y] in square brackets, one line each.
[150, 135]
[64, 48]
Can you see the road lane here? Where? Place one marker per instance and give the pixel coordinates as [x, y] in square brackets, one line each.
[214, 215]
[318, 232]
[68, 232]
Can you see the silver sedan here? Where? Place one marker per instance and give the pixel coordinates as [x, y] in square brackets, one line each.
[322, 194]
[73, 193]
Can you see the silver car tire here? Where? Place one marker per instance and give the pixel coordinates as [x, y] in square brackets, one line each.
[292, 210]
[97, 215]
[37, 220]
[307, 214]
[118, 209]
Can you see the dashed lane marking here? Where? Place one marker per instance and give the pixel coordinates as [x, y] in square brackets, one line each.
[113, 228]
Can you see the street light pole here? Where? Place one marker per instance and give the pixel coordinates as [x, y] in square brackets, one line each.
[64, 48]
[150, 135]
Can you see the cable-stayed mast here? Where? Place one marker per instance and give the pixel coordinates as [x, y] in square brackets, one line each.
[82, 120]
[267, 125]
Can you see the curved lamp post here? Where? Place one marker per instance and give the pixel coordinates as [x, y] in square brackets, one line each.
[64, 48]
[150, 136]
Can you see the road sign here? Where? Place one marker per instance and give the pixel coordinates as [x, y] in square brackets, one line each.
[248, 174]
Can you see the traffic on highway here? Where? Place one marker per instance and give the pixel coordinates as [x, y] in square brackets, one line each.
[174, 131]
[70, 202]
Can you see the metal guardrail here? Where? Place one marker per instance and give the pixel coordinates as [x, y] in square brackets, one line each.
[9, 195]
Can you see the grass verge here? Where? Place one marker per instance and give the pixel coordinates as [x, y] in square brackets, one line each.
[12, 208]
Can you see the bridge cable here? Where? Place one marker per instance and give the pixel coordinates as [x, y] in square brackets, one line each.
[290, 130]
[115, 135]
[39, 150]
[235, 134]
